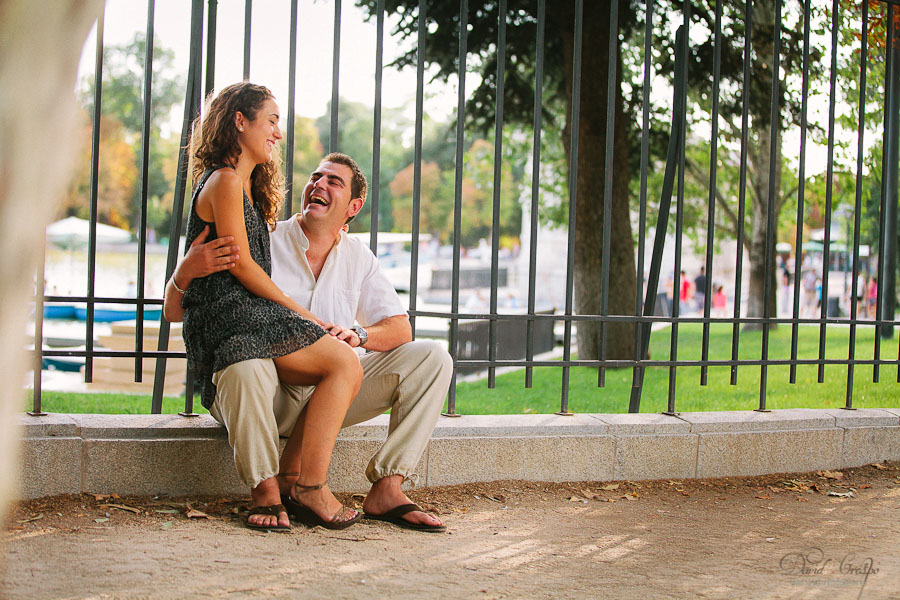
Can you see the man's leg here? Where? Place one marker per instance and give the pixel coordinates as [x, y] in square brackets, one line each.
[410, 381]
[244, 397]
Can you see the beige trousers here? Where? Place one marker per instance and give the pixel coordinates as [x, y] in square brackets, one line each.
[410, 381]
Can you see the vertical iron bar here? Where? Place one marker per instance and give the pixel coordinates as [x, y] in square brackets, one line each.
[248, 14]
[192, 99]
[857, 209]
[145, 184]
[498, 162]
[37, 361]
[417, 167]
[888, 300]
[537, 125]
[829, 189]
[95, 172]
[291, 113]
[645, 160]
[573, 191]
[376, 130]
[611, 88]
[679, 217]
[711, 202]
[801, 191]
[211, 15]
[886, 140]
[662, 223]
[742, 197]
[457, 196]
[775, 125]
[333, 140]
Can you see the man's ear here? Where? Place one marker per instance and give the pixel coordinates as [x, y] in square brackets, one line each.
[355, 206]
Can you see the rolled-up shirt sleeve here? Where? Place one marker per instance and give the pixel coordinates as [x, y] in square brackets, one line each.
[378, 299]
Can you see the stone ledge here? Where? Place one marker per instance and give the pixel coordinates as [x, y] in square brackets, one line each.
[170, 454]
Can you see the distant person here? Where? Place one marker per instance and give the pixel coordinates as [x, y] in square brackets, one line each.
[786, 292]
[810, 293]
[700, 289]
[872, 298]
[684, 293]
[719, 302]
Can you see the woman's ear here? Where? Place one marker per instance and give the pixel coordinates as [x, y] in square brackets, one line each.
[239, 120]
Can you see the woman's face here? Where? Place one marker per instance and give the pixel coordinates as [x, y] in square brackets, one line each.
[259, 136]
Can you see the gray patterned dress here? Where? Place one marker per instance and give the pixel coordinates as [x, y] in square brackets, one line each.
[224, 323]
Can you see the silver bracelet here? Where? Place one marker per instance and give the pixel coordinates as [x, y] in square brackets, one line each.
[178, 289]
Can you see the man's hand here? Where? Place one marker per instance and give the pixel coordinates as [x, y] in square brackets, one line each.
[342, 333]
[205, 258]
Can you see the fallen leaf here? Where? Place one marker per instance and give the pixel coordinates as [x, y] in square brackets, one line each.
[609, 487]
[589, 495]
[841, 494]
[770, 540]
[100, 497]
[761, 497]
[166, 525]
[132, 509]
[575, 499]
[101, 520]
[865, 486]
[172, 511]
[30, 519]
[193, 513]
[880, 467]
[830, 474]
[801, 499]
[498, 500]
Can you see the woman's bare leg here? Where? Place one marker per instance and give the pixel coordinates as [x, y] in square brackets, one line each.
[334, 368]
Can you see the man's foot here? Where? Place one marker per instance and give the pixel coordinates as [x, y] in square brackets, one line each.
[266, 494]
[386, 496]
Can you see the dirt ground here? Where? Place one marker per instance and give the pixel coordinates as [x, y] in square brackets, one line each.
[811, 535]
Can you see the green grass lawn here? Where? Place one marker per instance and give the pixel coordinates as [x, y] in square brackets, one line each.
[511, 397]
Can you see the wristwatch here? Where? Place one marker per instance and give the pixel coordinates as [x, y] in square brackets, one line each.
[362, 334]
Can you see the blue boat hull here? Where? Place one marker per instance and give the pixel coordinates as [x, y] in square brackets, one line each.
[110, 315]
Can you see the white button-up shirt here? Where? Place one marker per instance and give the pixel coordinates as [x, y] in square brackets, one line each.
[351, 287]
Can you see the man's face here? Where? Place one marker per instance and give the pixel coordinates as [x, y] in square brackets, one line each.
[327, 197]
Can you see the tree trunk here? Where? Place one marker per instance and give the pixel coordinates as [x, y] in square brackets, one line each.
[758, 157]
[590, 190]
[37, 145]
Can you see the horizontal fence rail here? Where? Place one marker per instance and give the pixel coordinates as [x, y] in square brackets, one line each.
[721, 109]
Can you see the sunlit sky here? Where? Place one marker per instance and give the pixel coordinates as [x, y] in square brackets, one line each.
[269, 65]
[269, 55]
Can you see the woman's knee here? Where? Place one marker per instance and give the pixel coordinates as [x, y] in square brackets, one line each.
[344, 362]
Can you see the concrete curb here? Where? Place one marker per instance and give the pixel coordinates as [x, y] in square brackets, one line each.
[170, 454]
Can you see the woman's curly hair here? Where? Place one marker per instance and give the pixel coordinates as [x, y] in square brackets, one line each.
[214, 142]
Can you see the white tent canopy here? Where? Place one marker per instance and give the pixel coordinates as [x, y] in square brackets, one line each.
[73, 231]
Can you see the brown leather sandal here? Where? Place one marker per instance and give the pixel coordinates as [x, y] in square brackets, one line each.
[307, 516]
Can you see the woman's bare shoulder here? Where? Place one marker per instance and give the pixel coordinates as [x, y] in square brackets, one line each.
[224, 180]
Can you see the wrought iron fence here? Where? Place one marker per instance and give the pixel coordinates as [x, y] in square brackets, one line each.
[672, 187]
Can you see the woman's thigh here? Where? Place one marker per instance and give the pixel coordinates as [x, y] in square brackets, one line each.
[309, 365]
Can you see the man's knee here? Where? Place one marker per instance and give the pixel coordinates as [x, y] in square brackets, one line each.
[431, 356]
